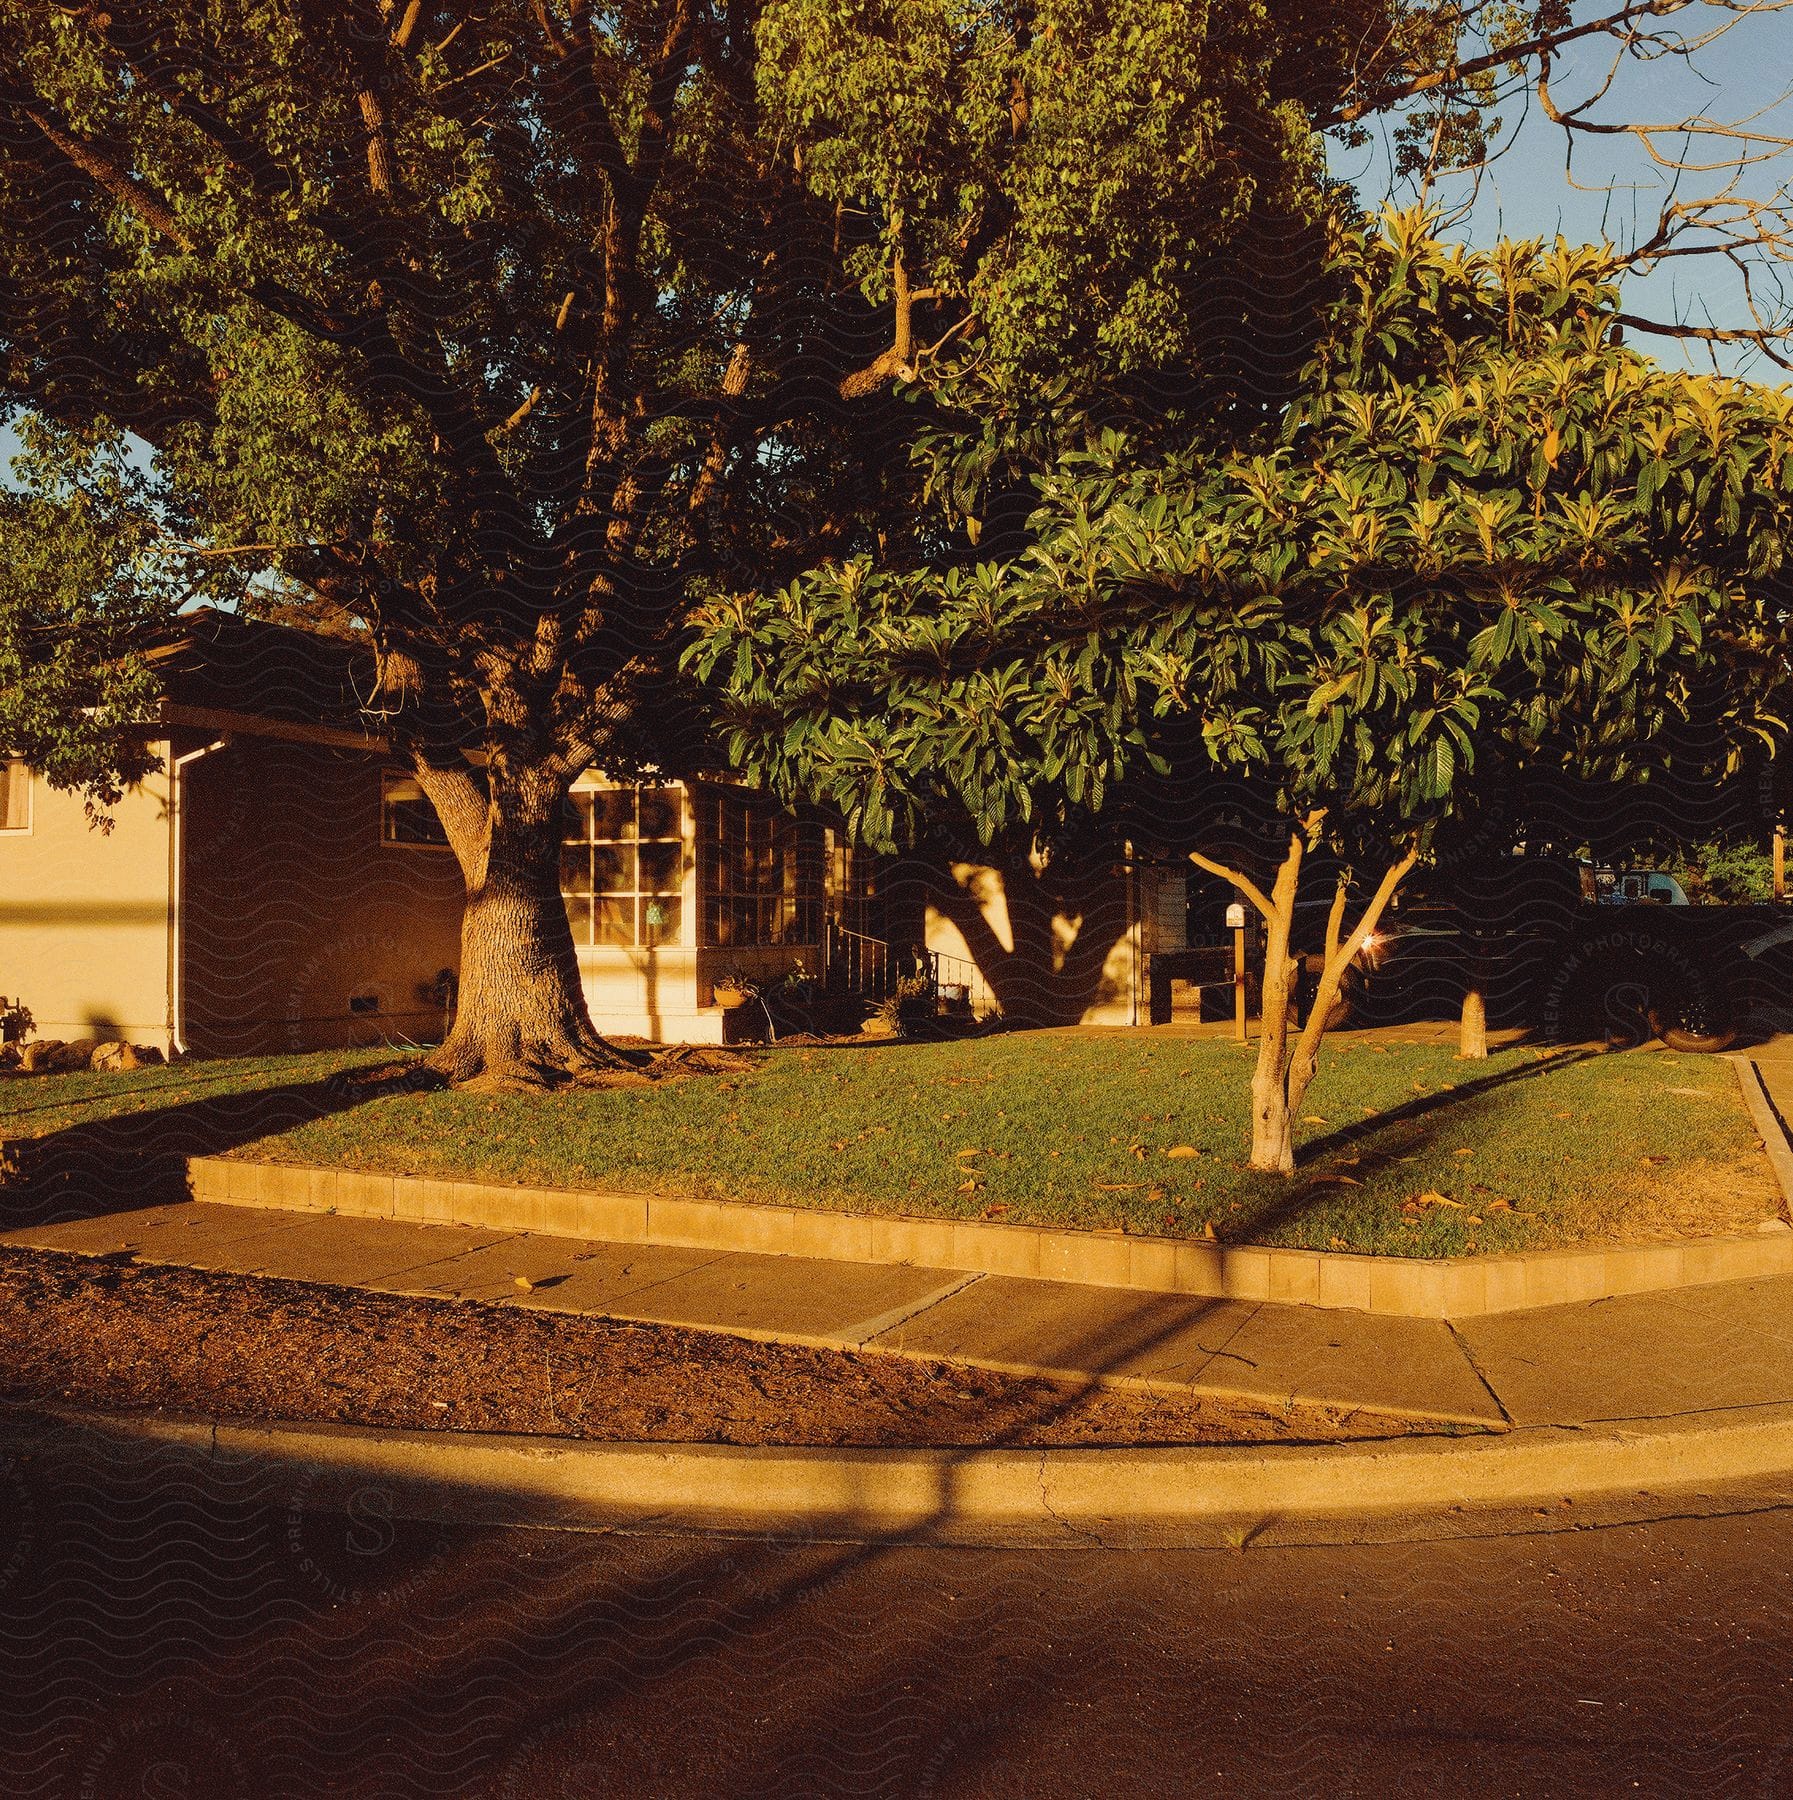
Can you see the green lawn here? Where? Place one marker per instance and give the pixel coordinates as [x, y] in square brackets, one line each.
[1405, 1150]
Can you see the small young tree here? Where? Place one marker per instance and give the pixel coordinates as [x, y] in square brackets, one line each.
[1488, 536]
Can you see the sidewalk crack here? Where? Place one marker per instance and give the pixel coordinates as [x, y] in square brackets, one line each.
[1475, 1368]
[861, 1334]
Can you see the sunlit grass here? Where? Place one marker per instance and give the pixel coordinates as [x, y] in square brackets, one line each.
[1404, 1148]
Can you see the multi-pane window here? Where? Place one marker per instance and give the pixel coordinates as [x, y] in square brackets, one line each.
[850, 884]
[622, 865]
[406, 816]
[15, 795]
[750, 874]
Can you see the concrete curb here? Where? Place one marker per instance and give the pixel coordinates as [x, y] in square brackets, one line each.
[1768, 1123]
[1095, 1497]
[1399, 1287]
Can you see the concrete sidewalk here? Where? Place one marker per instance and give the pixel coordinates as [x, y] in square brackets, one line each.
[1654, 1356]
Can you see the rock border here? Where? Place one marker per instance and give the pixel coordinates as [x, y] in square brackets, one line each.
[1461, 1287]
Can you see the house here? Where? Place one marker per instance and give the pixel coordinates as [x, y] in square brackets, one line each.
[1063, 941]
[263, 891]
[282, 884]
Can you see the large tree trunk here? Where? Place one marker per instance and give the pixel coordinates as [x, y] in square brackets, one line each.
[521, 1019]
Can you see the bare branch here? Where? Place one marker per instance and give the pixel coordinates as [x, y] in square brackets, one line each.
[1243, 883]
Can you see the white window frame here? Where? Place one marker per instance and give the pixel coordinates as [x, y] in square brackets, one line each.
[25, 830]
[586, 941]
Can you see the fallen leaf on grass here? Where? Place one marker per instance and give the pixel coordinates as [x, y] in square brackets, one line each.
[1312, 1119]
[1431, 1197]
[1462, 1153]
[995, 1208]
[1180, 1152]
[971, 1186]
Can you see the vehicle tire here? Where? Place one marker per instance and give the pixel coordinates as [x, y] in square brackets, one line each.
[1699, 1027]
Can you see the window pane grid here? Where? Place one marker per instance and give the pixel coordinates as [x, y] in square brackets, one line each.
[623, 865]
[761, 876]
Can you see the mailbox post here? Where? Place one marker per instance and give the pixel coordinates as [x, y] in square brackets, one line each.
[1235, 918]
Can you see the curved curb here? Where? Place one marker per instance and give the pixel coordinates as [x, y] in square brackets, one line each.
[1099, 1498]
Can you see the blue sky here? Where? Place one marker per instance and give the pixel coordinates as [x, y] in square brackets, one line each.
[1612, 189]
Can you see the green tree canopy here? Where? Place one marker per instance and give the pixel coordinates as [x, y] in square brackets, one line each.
[499, 330]
[1486, 535]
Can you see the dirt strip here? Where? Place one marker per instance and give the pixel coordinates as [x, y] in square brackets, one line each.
[107, 1332]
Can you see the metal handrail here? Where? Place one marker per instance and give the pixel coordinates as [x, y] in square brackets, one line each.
[961, 972]
[872, 966]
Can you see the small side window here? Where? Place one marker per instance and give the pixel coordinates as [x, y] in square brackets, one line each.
[15, 795]
[406, 816]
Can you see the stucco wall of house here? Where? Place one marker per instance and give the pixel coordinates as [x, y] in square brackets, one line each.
[84, 916]
[301, 928]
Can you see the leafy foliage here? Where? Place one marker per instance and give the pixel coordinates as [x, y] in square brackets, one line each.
[1485, 525]
[1728, 874]
[81, 594]
[502, 327]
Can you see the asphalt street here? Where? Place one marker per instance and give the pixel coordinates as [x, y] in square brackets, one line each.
[164, 1633]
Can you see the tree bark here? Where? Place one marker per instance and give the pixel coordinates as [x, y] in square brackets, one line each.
[1472, 1023]
[1272, 1133]
[1472, 1026]
[1283, 1073]
[520, 1020]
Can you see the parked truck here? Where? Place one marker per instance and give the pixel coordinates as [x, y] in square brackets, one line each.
[1575, 950]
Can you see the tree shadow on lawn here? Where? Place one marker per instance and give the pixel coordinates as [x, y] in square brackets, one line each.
[133, 1160]
[1386, 1137]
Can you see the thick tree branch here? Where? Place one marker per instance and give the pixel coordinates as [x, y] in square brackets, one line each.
[1243, 883]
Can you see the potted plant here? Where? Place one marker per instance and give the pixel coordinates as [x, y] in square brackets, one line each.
[911, 1002]
[15, 1020]
[733, 986]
